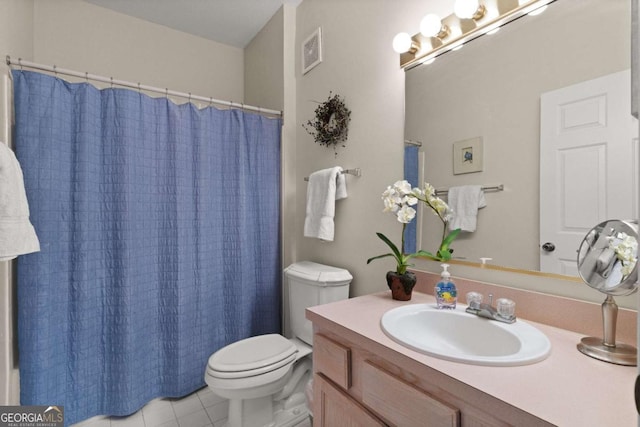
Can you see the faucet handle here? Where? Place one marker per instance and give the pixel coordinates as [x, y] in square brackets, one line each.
[474, 299]
[506, 308]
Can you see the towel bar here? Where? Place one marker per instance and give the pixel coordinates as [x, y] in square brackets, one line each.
[354, 172]
[499, 187]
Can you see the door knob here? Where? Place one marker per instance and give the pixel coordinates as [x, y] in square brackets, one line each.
[548, 247]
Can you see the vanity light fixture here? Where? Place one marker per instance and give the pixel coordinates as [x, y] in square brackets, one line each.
[492, 31]
[403, 42]
[469, 9]
[429, 61]
[432, 26]
[471, 19]
[538, 11]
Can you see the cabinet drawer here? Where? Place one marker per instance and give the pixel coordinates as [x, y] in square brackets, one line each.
[401, 403]
[333, 407]
[333, 360]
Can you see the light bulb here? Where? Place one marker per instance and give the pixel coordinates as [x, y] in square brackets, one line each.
[430, 26]
[466, 9]
[402, 42]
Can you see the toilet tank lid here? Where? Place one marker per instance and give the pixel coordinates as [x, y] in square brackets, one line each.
[319, 273]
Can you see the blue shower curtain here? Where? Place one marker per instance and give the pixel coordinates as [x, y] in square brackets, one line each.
[159, 227]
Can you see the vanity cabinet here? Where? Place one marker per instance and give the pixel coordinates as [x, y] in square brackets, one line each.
[355, 384]
[364, 378]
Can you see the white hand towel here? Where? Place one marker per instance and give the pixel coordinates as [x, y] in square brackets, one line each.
[465, 202]
[324, 188]
[17, 235]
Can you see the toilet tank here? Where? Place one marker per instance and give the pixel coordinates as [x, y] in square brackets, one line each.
[311, 284]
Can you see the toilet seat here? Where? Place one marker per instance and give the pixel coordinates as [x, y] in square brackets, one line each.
[252, 356]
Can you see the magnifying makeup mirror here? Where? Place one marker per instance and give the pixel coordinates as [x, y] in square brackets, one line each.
[607, 261]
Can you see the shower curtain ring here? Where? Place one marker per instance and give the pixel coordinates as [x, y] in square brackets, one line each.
[20, 63]
[55, 70]
[86, 76]
[166, 92]
[111, 82]
[189, 97]
[139, 90]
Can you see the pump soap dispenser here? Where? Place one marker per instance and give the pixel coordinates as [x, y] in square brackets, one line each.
[445, 290]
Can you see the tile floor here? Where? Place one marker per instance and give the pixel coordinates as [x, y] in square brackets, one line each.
[200, 409]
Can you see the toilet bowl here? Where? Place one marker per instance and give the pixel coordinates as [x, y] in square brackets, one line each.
[264, 376]
[253, 367]
[251, 372]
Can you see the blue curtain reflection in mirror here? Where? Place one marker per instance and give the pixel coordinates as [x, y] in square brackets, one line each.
[411, 174]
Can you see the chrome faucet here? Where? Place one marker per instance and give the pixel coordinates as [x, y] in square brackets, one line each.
[505, 311]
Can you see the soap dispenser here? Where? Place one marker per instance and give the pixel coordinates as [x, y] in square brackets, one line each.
[445, 290]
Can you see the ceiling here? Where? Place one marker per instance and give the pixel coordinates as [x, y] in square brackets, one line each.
[231, 22]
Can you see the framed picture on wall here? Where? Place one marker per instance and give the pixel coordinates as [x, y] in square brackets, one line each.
[312, 51]
[467, 156]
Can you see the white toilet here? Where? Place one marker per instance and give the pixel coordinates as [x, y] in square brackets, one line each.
[264, 376]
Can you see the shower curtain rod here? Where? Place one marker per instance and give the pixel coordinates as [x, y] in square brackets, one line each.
[54, 69]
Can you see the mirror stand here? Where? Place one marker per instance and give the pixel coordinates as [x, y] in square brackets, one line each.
[608, 262]
[606, 349]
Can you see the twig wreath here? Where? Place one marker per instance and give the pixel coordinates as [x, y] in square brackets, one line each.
[331, 124]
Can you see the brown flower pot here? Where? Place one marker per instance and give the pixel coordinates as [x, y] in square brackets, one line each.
[401, 285]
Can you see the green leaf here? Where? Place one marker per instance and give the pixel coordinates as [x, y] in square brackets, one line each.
[443, 252]
[393, 247]
[444, 255]
[423, 253]
[450, 237]
[380, 256]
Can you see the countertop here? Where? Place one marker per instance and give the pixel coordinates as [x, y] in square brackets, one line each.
[566, 389]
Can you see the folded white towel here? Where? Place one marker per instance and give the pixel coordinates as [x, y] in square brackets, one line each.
[465, 202]
[324, 188]
[17, 235]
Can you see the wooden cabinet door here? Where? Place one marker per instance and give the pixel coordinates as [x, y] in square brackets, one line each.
[402, 404]
[333, 360]
[334, 408]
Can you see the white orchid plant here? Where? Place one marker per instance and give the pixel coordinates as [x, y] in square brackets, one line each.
[626, 250]
[400, 199]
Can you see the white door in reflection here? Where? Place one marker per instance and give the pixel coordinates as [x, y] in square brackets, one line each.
[588, 165]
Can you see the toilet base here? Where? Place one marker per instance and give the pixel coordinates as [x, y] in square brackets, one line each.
[291, 412]
[250, 412]
[287, 413]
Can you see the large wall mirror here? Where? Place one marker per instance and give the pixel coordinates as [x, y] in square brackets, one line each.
[491, 89]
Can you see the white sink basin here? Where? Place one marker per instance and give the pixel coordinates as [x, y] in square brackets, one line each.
[462, 337]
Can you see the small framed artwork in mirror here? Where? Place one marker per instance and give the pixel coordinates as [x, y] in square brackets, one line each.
[467, 156]
[312, 51]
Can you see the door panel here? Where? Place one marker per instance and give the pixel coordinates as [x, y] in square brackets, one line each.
[588, 164]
